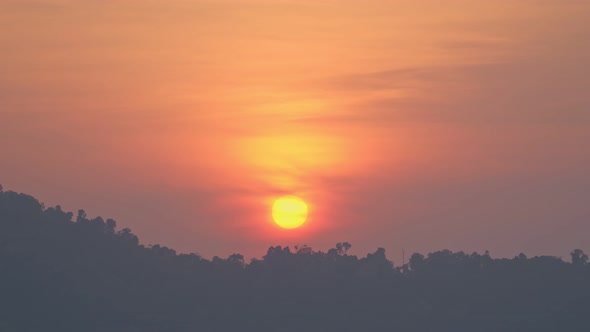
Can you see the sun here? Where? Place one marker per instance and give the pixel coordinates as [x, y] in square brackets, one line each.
[289, 212]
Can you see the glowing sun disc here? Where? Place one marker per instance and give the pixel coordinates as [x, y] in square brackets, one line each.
[289, 212]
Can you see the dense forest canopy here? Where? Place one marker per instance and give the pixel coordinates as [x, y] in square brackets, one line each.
[66, 272]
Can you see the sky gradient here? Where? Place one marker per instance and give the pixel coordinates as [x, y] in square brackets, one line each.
[416, 125]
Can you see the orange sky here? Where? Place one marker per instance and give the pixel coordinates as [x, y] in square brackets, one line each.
[404, 124]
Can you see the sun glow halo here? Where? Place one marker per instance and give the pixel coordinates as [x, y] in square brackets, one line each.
[289, 212]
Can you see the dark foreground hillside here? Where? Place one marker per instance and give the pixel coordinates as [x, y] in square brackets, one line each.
[60, 272]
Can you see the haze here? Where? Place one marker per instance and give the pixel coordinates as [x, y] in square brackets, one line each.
[403, 124]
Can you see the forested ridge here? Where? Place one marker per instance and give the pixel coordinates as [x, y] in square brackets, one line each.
[66, 272]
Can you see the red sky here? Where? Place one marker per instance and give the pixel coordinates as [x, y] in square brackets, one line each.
[420, 125]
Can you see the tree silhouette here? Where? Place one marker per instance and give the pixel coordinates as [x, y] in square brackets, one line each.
[346, 247]
[60, 273]
[579, 258]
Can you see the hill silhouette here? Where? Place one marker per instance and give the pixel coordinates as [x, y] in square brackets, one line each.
[60, 272]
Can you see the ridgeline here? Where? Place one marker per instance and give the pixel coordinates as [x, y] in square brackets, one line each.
[60, 272]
